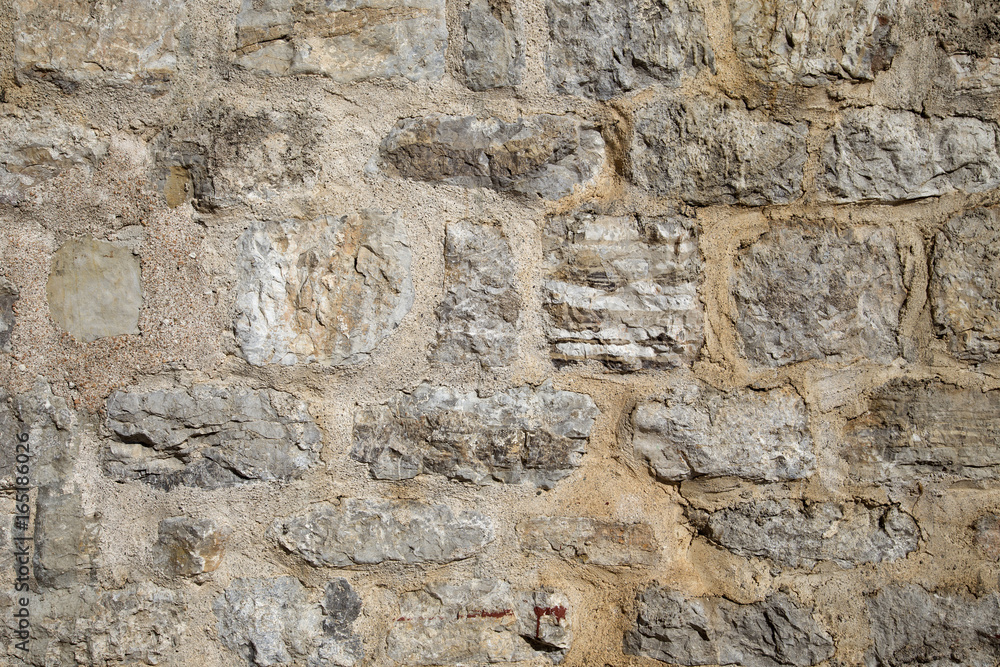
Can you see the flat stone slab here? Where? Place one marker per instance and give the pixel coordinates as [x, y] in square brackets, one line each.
[493, 48]
[590, 541]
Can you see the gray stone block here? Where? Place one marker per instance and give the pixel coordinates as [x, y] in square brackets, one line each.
[493, 50]
[590, 541]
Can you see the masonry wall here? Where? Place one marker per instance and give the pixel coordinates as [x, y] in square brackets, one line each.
[462, 332]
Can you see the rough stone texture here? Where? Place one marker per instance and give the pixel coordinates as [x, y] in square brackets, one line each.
[278, 621]
[811, 43]
[71, 40]
[190, 547]
[210, 436]
[810, 292]
[879, 154]
[10, 428]
[520, 435]
[479, 621]
[478, 317]
[591, 541]
[911, 626]
[345, 41]
[367, 532]
[8, 297]
[602, 48]
[800, 534]
[716, 152]
[493, 50]
[539, 156]
[775, 632]
[66, 539]
[965, 281]
[987, 535]
[95, 289]
[327, 291]
[697, 431]
[623, 290]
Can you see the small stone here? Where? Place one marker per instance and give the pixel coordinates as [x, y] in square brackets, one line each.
[520, 435]
[590, 541]
[623, 290]
[478, 317]
[210, 436]
[697, 431]
[189, 547]
[776, 632]
[327, 291]
[813, 292]
[66, 539]
[493, 51]
[540, 156]
[987, 535]
[479, 621]
[94, 289]
[710, 152]
[602, 48]
[10, 429]
[367, 532]
[884, 155]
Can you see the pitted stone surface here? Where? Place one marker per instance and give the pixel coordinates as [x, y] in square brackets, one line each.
[493, 50]
[623, 290]
[520, 435]
[965, 282]
[879, 154]
[478, 317]
[190, 547]
[479, 621]
[539, 156]
[8, 297]
[367, 532]
[602, 48]
[345, 41]
[10, 429]
[591, 541]
[697, 431]
[210, 436]
[810, 292]
[326, 291]
[775, 632]
[799, 534]
[711, 152]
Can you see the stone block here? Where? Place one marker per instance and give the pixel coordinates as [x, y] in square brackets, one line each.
[66, 541]
[623, 290]
[986, 535]
[8, 297]
[590, 541]
[190, 547]
[325, 291]
[493, 49]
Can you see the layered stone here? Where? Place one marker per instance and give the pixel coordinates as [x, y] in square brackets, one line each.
[493, 49]
[528, 435]
[590, 541]
[190, 547]
[325, 291]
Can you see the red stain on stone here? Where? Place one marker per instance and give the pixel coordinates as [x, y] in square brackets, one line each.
[558, 612]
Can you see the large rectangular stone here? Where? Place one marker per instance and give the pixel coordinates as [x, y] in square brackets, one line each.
[590, 541]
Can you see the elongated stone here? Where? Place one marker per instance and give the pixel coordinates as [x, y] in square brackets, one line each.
[591, 541]
[8, 296]
[493, 50]
[66, 539]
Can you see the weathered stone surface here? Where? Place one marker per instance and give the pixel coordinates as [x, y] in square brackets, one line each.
[74, 39]
[366, 532]
[878, 154]
[710, 152]
[50, 426]
[66, 539]
[346, 41]
[479, 621]
[8, 296]
[94, 289]
[326, 291]
[210, 436]
[592, 541]
[493, 50]
[697, 431]
[190, 547]
[623, 290]
[775, 632]
[539, 156]
[965, 281]
[811, 43]
[478, 317]
[10, 428]
[520, 435]
[278, 622]
[796, 533]
[925, 431]
[810, 292]
[912, 627]
[603, 48]
[986, 535]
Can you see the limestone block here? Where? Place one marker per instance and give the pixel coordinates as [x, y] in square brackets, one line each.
[8, 296]
[811, 292]
[190, 547]
[519, 435]
[623, 290]
[66, 539]
[591, 541]
[325, 291]
[710, 152]
[94, 289]
[493, 50]
[366, 532]
[539, 156]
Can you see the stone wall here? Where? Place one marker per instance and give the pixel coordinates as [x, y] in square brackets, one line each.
[599, 333]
